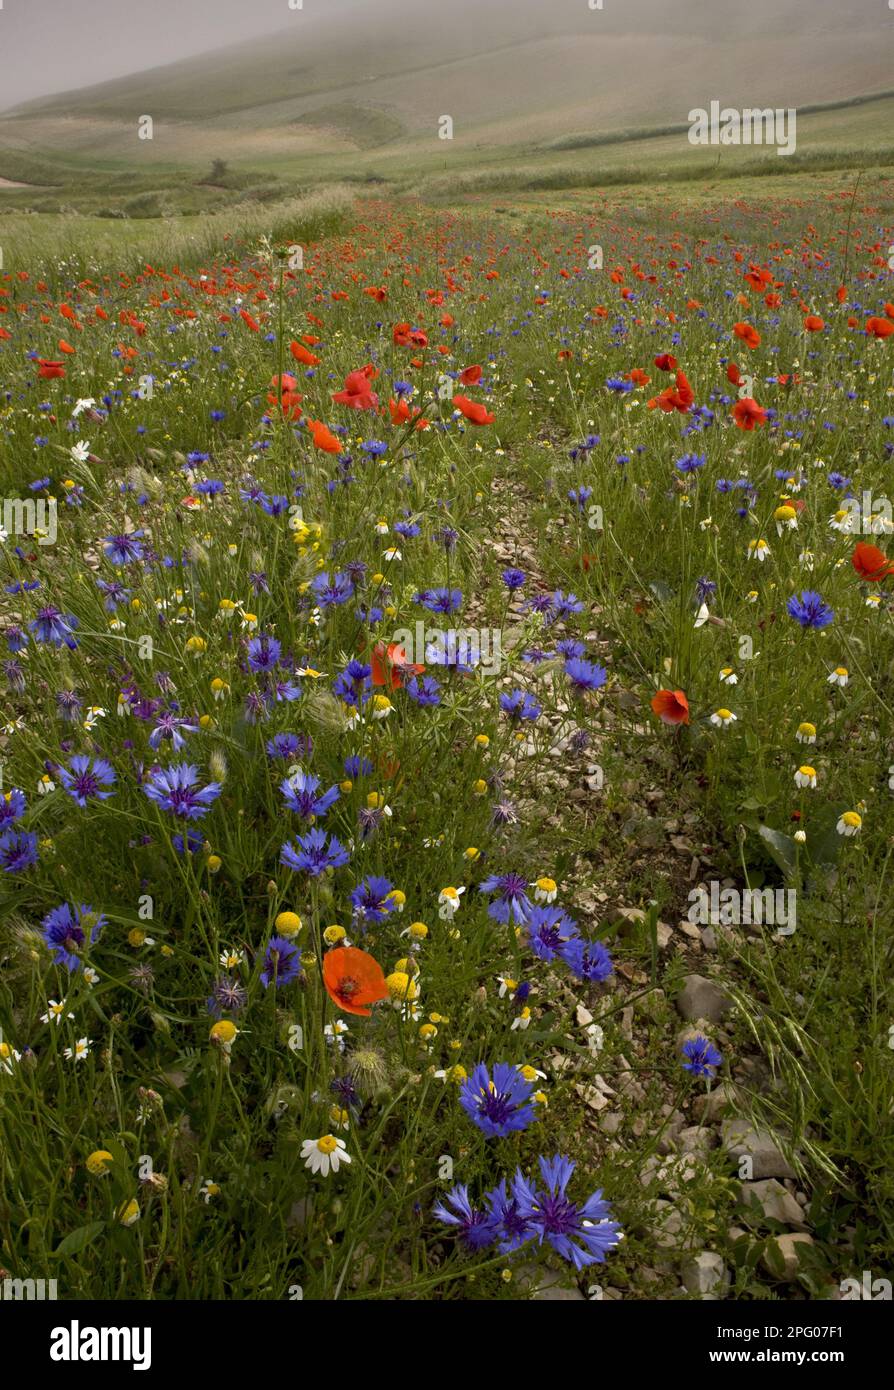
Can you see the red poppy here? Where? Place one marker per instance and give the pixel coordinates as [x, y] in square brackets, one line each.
[666, 362]
[679, 399]
[747, 413]
[879, 328]
[475, 413]
[353, 979]
[871, 563]
[733, 374]
[470, 377]
[323, 437]
[639, 377]
[48, 370]
[749, 335]
[671, 706]
[813, 323]
[357, 394]
[301, 354]
[390, 665]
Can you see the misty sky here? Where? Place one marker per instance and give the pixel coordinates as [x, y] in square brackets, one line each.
[51, 46]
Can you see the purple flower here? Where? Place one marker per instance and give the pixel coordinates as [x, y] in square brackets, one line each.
[18, 851]
[584, 675]
[476, 1229]
[68, 931]
[512, 899]
[176, 789]
[588, 960]
[282, 962]
[124, 550]
[171, 726]
[810, 610]
[263, 654]
[501, 1105]
[520, 706]
[54, 627]
[371, 899]
[584, 1234]
[314, 855]
[86, 780]
[12, 807]
[300, 792]
[702, 1057]
[548, 929]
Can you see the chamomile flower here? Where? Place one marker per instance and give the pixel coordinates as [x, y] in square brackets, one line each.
[55, 1012]
[545, 890]
[9, 1058]
[449, 903]
[806, 777]
[839, 676]
[231, 958]
[209, 1189]
[850, 823]
[728, 676]
[79, 1052]
[806, 733]
[324, 1155]
[723, 718]
[786, 518]
[758, 550]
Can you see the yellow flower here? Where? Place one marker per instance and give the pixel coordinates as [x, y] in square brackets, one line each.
[417, 931]
[482, 740]
[196, 645]
[98, 1162]
[401, 988]
[288, 924]
[135, 937]
[128, 1212]
[332, 935]
[479, 787]
[428, 1032]
[214, 862]
[223, 1034]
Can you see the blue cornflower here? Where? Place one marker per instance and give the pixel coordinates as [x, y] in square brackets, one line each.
[12, 807]
[263, 654]
[371, 899]
[584, 1234]
[171, 726]
[332, 590]
[476, 1229]
[691, 463]
[354, 683]
[300, 792]
[288, 746]
[512, 901]
[560, 605]
[499, 1106]
[584, 675]
[702, 1057]
[520, 705]
[425, 692]
[18, 851]
[68, 931]
[810, 610]
[124, 550]
[54, 627]
[588, 960]
[282, 962]
[514, 1229]
[440, 600]
[314, 854]
[513, 579]
[355, 766]
[548, 930]
[176, 789]
[87, 780]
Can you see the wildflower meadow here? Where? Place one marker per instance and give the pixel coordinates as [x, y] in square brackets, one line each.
[447, 751]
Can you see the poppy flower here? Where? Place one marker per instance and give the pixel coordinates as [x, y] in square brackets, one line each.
[249, 322]
[871, 563]
[323, 437]
[471, 376]
[679, 399]
[879, 328]
[357, 394]
[353, 979]
[748, 334]
[747, 413]
[475, 413]
[813, 323]
[390, 665]
[66, 347]
[666, 362]
[49, 370]
[671, 706]
[639, 377]
[301, 354]
[733, 374]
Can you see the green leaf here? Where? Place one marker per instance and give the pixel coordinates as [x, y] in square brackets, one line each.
[77, 1240]
[781, 848]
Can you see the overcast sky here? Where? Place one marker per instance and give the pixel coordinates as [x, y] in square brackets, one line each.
[49, 46]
